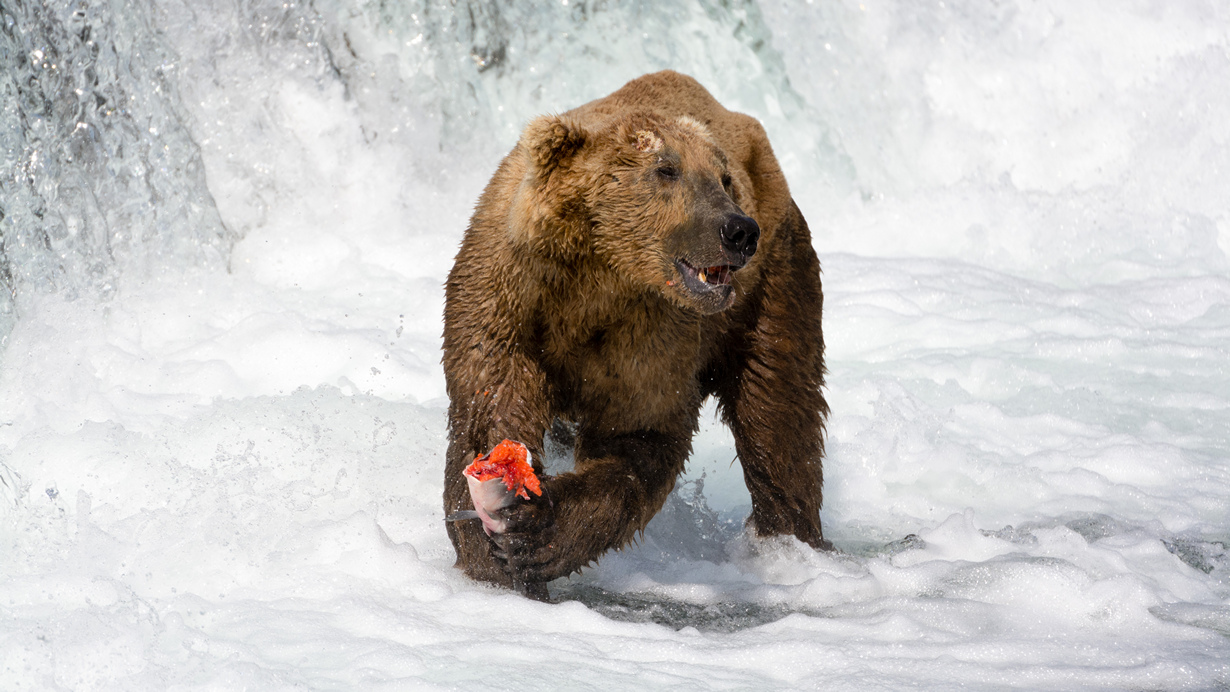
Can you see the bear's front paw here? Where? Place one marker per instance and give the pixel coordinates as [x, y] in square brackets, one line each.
[531, 559]
[526, 550]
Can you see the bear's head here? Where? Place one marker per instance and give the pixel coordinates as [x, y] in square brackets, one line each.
[652, 197]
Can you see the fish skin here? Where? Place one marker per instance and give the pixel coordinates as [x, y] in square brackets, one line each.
[489, 498]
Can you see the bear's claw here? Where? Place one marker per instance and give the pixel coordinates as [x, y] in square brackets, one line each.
[525, 550]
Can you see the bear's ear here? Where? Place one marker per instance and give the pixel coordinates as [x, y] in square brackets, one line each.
[547, 210]
[550, 141]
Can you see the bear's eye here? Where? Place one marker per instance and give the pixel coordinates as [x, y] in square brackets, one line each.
[668, 172]
[726, 181]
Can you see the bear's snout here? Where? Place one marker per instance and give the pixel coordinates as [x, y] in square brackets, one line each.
[740, 235]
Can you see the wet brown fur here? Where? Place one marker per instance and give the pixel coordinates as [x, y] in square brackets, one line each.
[561, 304]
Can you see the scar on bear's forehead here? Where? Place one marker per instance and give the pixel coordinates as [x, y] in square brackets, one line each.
[648, 141]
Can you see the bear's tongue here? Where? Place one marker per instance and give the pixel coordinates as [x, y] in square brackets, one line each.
[716, 276]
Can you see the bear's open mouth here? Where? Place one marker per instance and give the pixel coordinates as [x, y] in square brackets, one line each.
[705, 278]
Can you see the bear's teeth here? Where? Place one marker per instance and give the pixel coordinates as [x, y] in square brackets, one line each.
[701, 274]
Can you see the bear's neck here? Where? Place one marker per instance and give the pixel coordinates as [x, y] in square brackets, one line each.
[608, 344]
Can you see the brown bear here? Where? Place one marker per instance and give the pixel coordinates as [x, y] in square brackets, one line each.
[629, 259]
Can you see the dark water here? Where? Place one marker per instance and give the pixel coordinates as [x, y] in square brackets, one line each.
[636, 607]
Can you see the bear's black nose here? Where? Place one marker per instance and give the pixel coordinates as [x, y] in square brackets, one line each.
[740, 234]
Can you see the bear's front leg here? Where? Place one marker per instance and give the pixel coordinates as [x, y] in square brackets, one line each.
[770, 393]
[777, 419]
[619, 484]
[495, 394]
